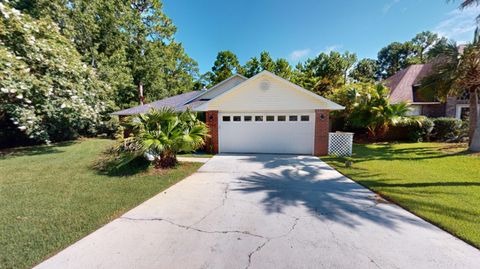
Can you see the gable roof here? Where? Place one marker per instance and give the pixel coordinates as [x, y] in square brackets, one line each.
[199, 100]
[176, 102]
[401, 83]
[326, 104]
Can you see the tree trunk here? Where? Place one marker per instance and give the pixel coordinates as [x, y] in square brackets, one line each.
[473, 114]
[474, 141]
[167, 159]
[140, 93]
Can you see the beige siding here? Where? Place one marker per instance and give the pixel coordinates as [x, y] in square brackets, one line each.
[265, 93]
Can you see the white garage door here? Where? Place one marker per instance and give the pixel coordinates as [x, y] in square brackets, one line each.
[266, 132]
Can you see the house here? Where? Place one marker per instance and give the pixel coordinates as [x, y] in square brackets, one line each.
[262, 114]
[405, 86]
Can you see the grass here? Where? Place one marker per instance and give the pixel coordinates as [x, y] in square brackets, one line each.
[436, 181]
[196, 155]
[50, 197]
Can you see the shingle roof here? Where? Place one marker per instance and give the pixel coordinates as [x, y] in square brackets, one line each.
[176, 102]
[401, 84]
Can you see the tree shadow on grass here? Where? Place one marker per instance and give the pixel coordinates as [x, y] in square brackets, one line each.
[325, 194]
[106, 165]
[34, 150]
[362, 153]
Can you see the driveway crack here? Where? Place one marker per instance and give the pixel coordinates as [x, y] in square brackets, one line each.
[193, 228]
[268, 239]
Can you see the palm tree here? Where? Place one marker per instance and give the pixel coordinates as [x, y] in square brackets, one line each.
[371, 108]
[455, 72]
[161, 134]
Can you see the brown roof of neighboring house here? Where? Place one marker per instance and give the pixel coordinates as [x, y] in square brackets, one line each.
[401, 84]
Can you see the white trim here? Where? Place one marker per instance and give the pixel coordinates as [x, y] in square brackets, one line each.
[458, 110]
[329, 104]
[216, 86]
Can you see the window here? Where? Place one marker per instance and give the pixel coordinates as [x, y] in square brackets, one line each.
[258, 118]
[270, 118]
[304, 118]
[292, 118]
[226, 118]
[247, 118]
[237, 118]
[281, 118]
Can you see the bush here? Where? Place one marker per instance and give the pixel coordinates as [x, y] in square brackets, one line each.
[46, 92]
[412, 129]
[446, 129]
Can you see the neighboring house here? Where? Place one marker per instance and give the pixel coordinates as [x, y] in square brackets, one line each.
[405, 87]
[263, 114]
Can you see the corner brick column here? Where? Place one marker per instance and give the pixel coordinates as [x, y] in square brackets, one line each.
[322, 125]
[212, 123]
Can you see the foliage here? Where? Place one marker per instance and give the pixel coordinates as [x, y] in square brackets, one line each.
[130, 43]
[225, 66]
[47, 92]
[365, 71]
[397, 56]
[413, 129]
[162, 134]
[281, 67]
[367, 106]
[325, 72]
[455, 72]
[445, 129]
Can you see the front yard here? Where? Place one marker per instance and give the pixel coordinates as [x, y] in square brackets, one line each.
[436, 181]
[50, 197]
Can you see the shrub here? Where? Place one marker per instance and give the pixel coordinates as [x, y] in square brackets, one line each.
[367, 106]
[412, 129]
[160, 134]
[446, 129]
[46, 92]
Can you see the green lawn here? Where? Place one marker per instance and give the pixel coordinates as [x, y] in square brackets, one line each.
[438, 182]
[50, 197]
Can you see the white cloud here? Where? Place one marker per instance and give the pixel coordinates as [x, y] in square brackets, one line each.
[299, 54]
[389, 5]
[458, 24]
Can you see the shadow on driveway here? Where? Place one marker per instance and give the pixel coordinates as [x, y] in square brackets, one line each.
[325, 193]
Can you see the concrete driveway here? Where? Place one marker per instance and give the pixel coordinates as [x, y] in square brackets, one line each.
[266, 211]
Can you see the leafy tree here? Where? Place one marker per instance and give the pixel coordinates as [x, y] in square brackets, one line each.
[327, 71]
[266, 62]
[423, 42]
[162, 134]
[283, 69]
[397, 56]
[47, 92]
[367, 106]
[252, 67]
[130, 43]
[365, 71]
[455, 72]
[224, 67]
[304, 76]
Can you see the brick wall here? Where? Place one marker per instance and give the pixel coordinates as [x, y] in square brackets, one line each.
[212, 123]
[321, 132]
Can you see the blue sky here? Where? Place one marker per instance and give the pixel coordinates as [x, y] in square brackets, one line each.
[299, 29]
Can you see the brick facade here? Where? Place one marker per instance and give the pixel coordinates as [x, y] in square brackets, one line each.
[212, 123]
[322, 121]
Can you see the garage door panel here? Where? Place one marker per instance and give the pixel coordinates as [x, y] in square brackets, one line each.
[266, 136]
